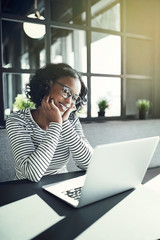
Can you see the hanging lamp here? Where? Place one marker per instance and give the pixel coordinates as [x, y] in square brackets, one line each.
[34, 30]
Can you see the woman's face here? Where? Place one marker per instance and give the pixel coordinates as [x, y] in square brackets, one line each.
[62, 88]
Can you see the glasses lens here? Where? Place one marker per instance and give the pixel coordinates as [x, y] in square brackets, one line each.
[66, 93]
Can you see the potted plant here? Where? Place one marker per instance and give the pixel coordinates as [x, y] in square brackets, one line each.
[143, 106]
[21, 102]
[102, 105]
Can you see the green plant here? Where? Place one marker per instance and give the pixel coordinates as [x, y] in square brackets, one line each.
[103, 104]
[143, 105]
[21, 102]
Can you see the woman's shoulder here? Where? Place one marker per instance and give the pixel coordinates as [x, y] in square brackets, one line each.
[18, 116]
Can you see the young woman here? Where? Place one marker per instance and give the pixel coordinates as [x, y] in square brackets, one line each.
[43, 138]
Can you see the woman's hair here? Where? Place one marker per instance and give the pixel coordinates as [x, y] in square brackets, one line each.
[39, 85]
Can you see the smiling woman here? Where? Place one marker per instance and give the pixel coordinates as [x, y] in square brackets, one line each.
[43, 138]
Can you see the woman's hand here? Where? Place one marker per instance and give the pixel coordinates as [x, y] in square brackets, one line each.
[65, 116]
[50, 110]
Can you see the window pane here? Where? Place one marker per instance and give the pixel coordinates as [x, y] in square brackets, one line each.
[13, 84]
[73, 12]
[106, 14]
[105, 53]
[19, 50]
[139, 57]
[109, 88]
[140, 17]
[136, 89]
[22, 8]
[69, 46]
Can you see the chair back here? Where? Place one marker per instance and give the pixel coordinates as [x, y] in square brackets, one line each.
[7, 165]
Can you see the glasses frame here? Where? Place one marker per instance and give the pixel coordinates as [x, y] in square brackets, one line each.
[76, 99]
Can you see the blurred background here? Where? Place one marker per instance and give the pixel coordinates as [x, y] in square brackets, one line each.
[114, 44]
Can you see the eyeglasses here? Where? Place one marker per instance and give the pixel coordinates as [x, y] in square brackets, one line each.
[67, 93]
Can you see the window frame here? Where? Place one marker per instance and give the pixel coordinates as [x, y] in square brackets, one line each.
[49, 24]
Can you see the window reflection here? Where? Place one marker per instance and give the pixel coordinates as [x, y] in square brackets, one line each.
[25, 61]
[72, 12]
[42, 58]
[106, 14]
[19, 50]
[69, 46]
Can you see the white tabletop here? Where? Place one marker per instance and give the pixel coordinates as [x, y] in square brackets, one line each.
[137, 217]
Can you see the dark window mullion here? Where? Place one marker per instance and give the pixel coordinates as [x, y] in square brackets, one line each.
[88, 35]
[1, 77]
[48, 31]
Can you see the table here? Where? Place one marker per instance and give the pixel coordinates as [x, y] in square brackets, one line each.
[75, 221]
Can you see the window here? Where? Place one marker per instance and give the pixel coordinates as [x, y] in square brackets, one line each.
[71, 12]
[109, 88]
[110, 42]
[13, 84]
[20, 51]
[106, 14]
[69, 46]
[105, 53]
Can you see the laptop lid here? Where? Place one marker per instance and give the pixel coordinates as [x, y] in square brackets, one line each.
[117, 167]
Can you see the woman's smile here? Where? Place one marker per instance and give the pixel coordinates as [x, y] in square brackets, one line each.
[63, 107]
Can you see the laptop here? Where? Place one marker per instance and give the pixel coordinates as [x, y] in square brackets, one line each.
[114, 168]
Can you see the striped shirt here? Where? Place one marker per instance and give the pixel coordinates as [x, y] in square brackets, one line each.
[38, 152]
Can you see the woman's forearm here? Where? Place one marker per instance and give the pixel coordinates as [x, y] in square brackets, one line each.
[78, 144]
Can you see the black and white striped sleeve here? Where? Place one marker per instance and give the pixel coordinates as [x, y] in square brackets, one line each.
[32, 161]
[79, 146]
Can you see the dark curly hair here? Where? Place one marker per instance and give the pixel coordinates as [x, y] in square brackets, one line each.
[39, 85]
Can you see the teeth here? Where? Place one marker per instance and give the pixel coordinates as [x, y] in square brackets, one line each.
[63, 107]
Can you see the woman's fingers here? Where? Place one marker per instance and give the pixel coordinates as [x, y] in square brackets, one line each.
[53, 106]
[50, 110]
[46, 103]
[73, 106]
[68, 112]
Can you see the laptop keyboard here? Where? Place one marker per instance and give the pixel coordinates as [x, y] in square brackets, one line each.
[74, 193]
